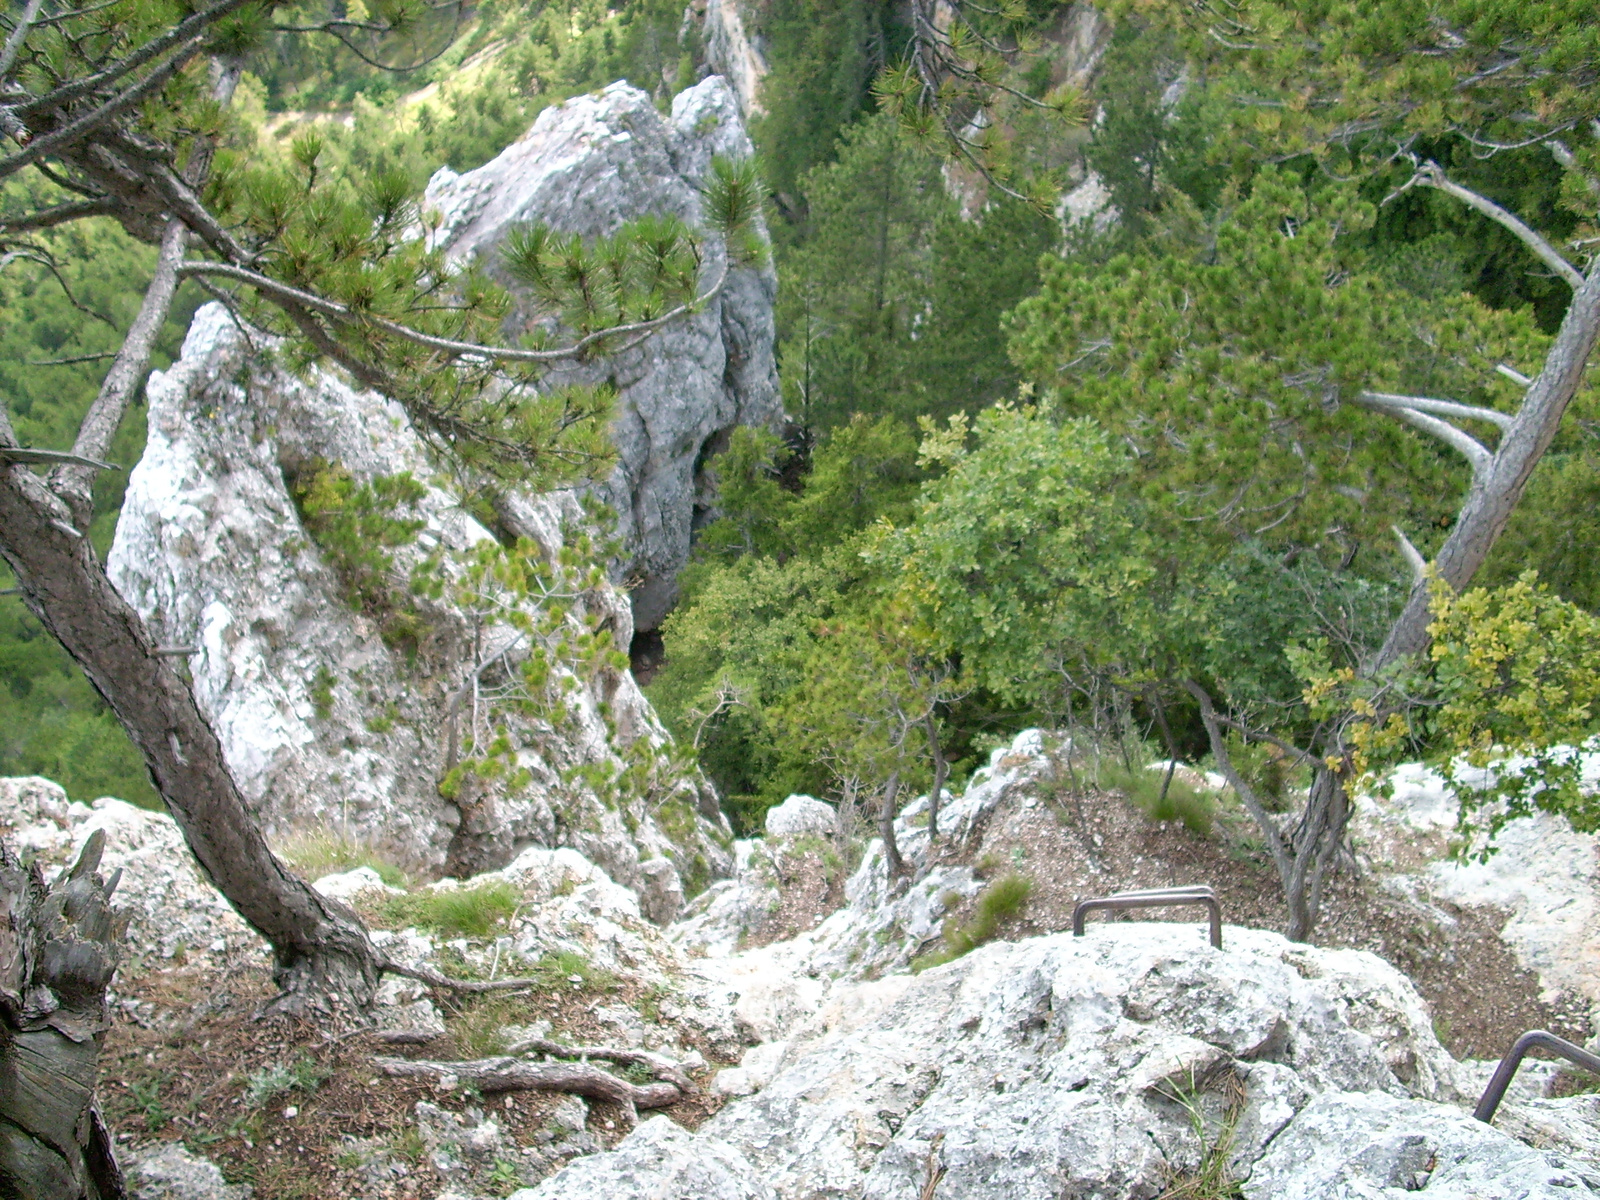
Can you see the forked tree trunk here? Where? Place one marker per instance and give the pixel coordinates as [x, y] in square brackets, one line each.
[58, 949]
[323, 952]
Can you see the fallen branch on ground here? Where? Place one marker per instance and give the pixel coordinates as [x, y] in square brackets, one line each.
[476, 986]
[509, 1074]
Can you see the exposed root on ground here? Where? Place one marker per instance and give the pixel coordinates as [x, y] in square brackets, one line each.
[475, 986]
[507, 1073]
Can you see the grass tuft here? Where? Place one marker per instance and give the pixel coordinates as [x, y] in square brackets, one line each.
[459, 912]
[321, 851]
[1182, 802]
[1002, 901]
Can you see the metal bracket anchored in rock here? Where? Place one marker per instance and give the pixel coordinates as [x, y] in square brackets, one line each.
[1154, 898]
[1507, 1070]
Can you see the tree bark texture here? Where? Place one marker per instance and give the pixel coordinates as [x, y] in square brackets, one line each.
[891, 848]
[321, 948]
[58, 949]
[941, 771]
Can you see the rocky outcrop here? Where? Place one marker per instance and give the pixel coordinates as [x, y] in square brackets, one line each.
[1543, 873]
[170, 905]
[881, 926]
[167, 1171]
[732, 52]
[1109, 1066]
[325, 719]
[587, 167]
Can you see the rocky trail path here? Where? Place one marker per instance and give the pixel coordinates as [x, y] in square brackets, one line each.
[1134, 1062]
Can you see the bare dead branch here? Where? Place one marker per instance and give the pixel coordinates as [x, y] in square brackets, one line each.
[1477, 456]
[1413, 556]
[27, 454]
[100, 423]
[663, 1067]
[1430, 174]
[76, 358]
[471, 986]
[8, 55]
[59, 214]
[1443, 408]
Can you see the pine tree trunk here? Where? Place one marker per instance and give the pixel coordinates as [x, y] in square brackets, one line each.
[58, 949]
[323, 953]
[891, 848]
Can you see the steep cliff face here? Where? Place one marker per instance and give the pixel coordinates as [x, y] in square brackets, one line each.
[328, 718]
[587, 167]
[734, 53]
[354, 704]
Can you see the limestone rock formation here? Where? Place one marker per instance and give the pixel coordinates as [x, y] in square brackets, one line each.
[167, 1171]
[324, 722]
[732, 52]
[323, 719]
[799, 815]
[1546, 874]
[587, 167]
[168, 902]
[1108, 1067]
[1349, 1146]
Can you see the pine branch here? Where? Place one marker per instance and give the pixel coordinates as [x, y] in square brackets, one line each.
[282, 291]
[1430, 174]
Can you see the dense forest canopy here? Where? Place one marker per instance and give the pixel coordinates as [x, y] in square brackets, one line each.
[1102, 338]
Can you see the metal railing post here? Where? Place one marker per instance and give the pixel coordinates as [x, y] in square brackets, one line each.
[1504, 1073]
[1153, 898]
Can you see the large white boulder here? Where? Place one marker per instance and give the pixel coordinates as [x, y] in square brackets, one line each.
[800, 815]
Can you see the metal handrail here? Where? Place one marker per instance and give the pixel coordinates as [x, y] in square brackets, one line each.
[1503, 1074]
[1153, 898]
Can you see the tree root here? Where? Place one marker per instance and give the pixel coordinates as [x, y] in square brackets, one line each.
[433, 978]
[662, 1067]
[509, 1074]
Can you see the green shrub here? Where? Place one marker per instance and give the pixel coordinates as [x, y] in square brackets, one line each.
[1002, 901]
[356, 525]
[304, 1075]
